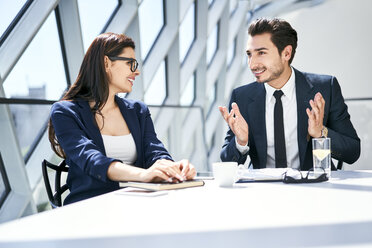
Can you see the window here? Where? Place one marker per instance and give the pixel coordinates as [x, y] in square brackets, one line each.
[212, 143]
[4, 183]
[233, 4]
[94, 15]
[165, 139]
[245, 60]
[212, 44]
[8, 11]
[231, 53]
[187, 32]
[211, 97]
[188, 94]
[157, 91]
[151, 22]
[38, 74]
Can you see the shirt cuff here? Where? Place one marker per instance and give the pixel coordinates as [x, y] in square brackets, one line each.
[242, 149]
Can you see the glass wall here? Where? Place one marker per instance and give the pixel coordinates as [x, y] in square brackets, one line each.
[38, 74]
[151, 22]
[8, 11]
[212, 44]
[94, 15]
[157, 91]
[187, 32]
[188, 94]
[4, 183]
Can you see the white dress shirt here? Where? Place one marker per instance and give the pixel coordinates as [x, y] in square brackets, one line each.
[289, 102]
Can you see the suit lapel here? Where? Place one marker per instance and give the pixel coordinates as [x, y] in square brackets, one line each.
[303, 94]
[257, 126]
[89, 121]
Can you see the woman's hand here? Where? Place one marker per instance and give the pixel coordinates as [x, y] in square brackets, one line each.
[166, 170]
[162, 170]
[187, 169]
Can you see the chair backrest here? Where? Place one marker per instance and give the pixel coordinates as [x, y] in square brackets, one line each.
[55, 198]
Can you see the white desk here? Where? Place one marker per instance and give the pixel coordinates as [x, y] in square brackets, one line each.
[334, 213]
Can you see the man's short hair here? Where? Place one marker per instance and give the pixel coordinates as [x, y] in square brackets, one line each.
[282, 33]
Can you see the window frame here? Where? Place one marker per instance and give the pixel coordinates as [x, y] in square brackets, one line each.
[15, 21]
[6, 182]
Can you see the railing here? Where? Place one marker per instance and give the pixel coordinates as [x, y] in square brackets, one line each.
[187, 136]
[177, 149]
[360, 110]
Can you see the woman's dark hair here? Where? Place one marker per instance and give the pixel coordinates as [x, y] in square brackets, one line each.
[92, 81]
[282, 33]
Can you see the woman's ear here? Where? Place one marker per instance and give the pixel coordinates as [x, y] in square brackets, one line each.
[107, 62]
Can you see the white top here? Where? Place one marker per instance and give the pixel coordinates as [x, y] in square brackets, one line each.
[289, 102]
[120, 147]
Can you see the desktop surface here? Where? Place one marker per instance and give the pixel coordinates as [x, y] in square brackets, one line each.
[333, 213]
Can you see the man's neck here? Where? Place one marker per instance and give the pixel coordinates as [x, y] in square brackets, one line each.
[283, 79]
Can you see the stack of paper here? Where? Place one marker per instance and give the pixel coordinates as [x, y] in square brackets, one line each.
[267, 174]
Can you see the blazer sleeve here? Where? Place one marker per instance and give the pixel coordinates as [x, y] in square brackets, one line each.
[153, 147]
[229, 151]
[78, 147]
[345, 143]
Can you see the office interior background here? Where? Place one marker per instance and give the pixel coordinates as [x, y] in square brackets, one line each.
[191, 54]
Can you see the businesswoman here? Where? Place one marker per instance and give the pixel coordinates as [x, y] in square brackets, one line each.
[105, 138]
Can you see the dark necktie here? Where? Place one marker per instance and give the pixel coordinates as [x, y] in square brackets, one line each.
[279, 139]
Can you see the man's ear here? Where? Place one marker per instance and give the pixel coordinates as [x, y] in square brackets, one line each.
[287, 52]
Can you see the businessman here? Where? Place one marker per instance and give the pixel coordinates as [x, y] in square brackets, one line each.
[274, 118]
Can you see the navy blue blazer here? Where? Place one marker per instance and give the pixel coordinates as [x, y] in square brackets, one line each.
[81, 140]
[345, 143]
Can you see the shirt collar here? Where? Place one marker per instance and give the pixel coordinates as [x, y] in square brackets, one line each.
[288, 88]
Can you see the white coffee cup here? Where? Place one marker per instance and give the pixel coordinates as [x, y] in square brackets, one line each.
[225, 173]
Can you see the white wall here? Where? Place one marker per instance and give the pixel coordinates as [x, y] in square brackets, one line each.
[335, 38]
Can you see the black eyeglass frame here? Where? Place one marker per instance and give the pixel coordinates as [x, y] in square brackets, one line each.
[133, 62]
[321, 178]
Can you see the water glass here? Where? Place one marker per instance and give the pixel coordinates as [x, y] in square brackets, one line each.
[322, 155]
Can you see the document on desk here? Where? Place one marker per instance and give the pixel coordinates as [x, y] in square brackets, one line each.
[261, 175]
[140, 192]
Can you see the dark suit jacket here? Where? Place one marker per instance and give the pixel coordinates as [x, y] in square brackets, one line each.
[82, 143]
[345, 144]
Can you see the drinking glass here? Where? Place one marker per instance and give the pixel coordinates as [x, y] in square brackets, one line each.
[322, 155]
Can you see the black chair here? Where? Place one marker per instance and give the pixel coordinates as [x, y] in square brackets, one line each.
[55, 198]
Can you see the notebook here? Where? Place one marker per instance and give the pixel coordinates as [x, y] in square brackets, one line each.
[163, 186]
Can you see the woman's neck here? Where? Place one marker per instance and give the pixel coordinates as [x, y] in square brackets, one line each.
[109, 105]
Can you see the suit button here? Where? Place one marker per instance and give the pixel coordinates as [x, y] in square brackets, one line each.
[99, 176]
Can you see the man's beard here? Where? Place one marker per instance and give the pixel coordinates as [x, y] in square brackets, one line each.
[275, 74]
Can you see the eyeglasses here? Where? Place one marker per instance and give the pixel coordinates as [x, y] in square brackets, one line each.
[133, 62]
[295, 176]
